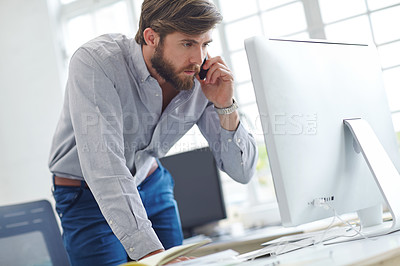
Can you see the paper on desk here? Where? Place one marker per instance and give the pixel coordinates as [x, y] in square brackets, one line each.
[290, 243]
[223, 258]
[316, 236]
[274, 250]
[168, 255]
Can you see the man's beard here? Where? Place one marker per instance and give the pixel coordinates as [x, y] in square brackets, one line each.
[169, 73]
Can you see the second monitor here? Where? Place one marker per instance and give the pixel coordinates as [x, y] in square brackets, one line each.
[198, 190]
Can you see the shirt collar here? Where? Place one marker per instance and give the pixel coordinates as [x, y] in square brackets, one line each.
[138, 61]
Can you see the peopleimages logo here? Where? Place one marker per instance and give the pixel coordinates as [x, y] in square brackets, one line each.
[179, 124]
[115, 147]
[287, 124]
[133, 123]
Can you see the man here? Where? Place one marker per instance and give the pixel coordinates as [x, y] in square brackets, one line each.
[126, 103]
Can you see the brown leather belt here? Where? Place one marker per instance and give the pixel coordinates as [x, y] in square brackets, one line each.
[153, 168]
[62, 181]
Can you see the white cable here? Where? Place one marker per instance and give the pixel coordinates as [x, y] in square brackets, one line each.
[327, 206]
[281, 245]
[326, 230]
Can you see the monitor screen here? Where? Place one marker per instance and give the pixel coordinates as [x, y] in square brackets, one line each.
[304, 91]
[198, 190]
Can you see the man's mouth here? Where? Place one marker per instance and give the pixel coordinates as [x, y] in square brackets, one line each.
[190, 72]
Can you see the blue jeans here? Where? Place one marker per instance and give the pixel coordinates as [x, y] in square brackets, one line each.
[88, 238]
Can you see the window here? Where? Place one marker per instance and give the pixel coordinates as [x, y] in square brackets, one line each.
[83, 20]
[262, 17]
[374, 21]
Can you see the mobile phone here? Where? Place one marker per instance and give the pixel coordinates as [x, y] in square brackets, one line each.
[203, 72]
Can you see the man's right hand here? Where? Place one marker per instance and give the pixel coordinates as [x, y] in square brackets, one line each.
[152, 253]
[179, 259]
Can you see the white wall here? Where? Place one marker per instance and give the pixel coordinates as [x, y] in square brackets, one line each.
[30, 99]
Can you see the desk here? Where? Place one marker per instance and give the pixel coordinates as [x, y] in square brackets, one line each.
[250, 241]
[382, 250]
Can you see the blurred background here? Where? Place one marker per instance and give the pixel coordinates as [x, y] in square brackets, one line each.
[38, 38]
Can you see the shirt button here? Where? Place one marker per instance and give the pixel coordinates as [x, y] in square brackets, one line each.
[131, 249]
[157, 95]
[111, 222]
[142, 80]
[238, 140]
[229, 140]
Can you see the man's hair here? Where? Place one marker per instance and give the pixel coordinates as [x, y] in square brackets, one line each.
[191, 17]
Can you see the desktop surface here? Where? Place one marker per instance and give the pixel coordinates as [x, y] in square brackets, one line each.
[382, 250]
[249, 240]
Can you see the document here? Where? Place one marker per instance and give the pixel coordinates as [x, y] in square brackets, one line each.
[168, 255]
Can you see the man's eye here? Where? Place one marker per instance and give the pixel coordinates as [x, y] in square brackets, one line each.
[187, 44]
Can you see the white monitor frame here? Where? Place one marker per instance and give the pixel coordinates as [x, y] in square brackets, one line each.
[305, 90]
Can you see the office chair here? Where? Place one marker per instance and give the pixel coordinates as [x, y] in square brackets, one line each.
[29, 235]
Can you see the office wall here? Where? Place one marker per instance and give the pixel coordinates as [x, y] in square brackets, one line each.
[30, 99]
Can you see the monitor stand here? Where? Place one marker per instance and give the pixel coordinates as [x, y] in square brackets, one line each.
[385, 174]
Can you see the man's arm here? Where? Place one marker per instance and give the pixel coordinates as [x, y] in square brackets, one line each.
[218, 88]
[229, 121]
[235, 151]
[97, 119]
[233, 147]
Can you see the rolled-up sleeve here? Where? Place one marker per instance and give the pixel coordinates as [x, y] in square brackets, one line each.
[235, 151]
[97, 119]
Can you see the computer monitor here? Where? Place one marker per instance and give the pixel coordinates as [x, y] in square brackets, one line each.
[305, 90]
[198, 189]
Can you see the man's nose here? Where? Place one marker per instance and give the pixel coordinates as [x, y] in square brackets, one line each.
[197, 57]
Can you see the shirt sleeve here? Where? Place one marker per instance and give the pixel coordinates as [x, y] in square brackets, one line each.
[235, 151]
[97, 119]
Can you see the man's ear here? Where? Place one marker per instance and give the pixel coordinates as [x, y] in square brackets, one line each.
[151, 37]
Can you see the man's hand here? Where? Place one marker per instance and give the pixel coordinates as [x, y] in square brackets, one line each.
[179, 259]
[218, 85]
[152, 253]
[218, 88]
